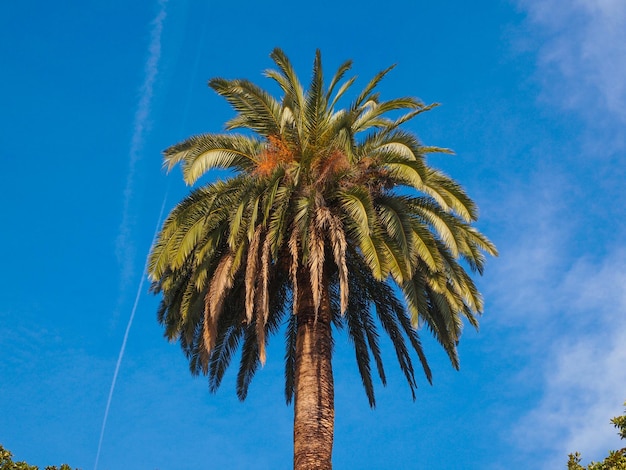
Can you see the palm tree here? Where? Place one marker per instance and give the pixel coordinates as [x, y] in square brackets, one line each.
[329, 218]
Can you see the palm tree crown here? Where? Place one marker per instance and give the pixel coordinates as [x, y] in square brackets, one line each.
[332, 208]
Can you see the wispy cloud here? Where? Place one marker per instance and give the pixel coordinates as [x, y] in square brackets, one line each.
[582, 59]
[125, 248]
[584, 378]
[569, 267]
[558, 289]
[566, 307]
[533, 241]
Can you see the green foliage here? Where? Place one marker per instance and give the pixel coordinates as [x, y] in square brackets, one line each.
[7, 463]
[616, 460]
[620, 423]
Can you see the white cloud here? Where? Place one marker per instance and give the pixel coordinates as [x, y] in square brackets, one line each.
[584, 377]
[533, 242]
[563, 287]
[581, 65]
[566, 307]
[582, 57]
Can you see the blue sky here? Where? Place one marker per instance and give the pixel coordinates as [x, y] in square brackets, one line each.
[533, 101]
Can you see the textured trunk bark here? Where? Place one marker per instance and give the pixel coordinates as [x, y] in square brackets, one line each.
[314, 407]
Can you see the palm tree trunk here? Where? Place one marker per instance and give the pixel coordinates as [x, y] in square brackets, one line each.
[314, 408]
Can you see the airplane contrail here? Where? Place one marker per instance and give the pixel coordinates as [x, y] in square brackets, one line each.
[124, 248]
[123, 245]
[123, 348]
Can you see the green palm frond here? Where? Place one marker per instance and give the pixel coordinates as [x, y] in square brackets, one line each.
[279, 218]
[373, 114]
[290, 357]
[340, 92]
[257, 110]
[249, 363]
[360, 217]
[202, 153]
[225, 347]
[356, 333]
[250, 352]
[230, 331]
[388, 309]
[365, 94]
[450, 195]
[410, 115]
[411, 332]
[339, 74]
[315, 104]
[294, 97]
